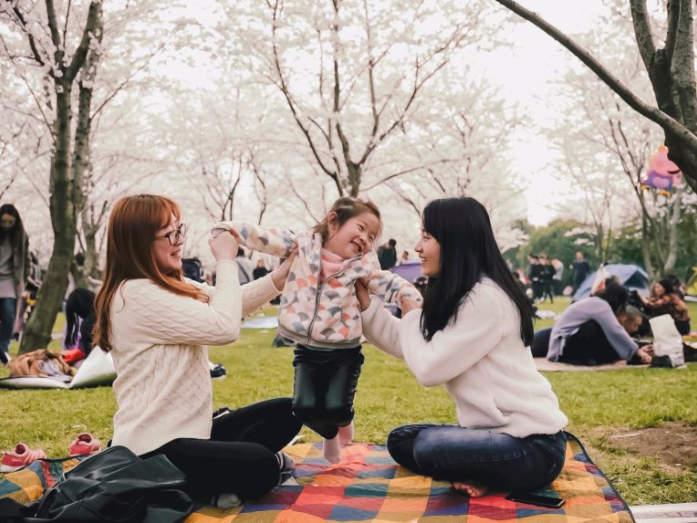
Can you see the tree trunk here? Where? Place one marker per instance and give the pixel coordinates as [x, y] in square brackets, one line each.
[354, 178]
[67, 173]
[37, 333]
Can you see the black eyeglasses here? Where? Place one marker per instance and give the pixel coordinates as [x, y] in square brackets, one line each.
[174, 236]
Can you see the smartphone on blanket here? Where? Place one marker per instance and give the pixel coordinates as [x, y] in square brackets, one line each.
[541, 500]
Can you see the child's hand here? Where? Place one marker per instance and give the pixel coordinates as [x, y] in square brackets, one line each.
[279, 275]
[409, 304]
[362, 295]
[223, 246]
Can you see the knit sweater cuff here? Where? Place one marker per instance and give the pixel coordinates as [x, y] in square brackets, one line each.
[257, 293]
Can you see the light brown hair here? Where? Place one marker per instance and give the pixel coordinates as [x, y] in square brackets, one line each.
[132, 228]
[345, 209]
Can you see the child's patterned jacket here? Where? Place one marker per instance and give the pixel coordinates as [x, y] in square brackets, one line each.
[321, 315]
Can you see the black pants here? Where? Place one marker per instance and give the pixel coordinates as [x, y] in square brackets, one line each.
[589, 346]
[547, 290]
[325, 385]
[683, 327]
[540, 343]
[240, 456]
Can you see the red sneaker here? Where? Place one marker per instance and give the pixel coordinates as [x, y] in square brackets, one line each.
[84, 445]
[20, 457]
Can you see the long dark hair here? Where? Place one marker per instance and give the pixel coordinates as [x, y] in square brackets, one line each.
[78, 306]
[617, 296]
[468, 252]
[16, 234]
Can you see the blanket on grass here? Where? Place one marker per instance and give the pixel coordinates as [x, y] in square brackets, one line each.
[367, 486]
[544, 365]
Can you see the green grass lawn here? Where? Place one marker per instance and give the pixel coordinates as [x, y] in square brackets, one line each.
[597, 404]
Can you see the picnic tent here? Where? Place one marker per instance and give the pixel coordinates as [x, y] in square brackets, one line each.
[409, 270]
[632, 276]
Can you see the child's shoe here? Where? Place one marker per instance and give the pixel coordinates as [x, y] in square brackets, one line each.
[84, 445]
[20, 457]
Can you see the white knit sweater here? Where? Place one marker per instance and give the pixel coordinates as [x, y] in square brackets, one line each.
[481, 360]
[163, 385]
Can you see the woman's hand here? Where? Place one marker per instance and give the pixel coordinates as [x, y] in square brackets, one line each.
[362, 295]
[224, 246]
[280, 275]
[409, 304]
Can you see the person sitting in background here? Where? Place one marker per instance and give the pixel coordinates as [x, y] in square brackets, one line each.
[594, 331]
[666, 299]
[404, 258]
[79, 322]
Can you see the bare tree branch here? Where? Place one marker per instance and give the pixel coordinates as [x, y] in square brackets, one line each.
[652, 113]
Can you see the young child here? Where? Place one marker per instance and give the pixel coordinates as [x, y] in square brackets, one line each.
[319, 309]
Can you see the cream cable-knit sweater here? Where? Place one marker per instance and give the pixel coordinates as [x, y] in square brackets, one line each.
[163, 385]
[480, 359]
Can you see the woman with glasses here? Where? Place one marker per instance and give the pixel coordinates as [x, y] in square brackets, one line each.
[157, 326]
[15, 267]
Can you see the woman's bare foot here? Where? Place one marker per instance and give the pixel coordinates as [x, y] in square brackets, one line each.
[471, 489]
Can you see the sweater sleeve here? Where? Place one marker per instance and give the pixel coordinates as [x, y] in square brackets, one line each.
[277, 242]
[623, 344]
[391, 287]
[161, 317]
[256, 293]
[456, 348]
[381, 328]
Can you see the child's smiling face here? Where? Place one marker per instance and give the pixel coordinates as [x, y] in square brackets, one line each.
[355, 237]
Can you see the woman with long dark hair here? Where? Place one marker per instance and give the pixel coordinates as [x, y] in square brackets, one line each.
[472, 337]
[15, 265]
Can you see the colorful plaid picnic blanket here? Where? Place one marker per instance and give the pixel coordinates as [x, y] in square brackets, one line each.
[367, 486]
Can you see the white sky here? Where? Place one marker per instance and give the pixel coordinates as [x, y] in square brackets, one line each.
[527, 75]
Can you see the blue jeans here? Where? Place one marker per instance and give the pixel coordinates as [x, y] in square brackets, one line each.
[496, 460]
[8, 308]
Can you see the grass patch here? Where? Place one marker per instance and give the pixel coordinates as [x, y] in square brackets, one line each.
[389, 396]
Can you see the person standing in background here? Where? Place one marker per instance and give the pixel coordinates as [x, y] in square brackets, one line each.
[245, 271]
[579, 271]
[387, 255]
[15, 267]
[260, 270]
[546, 278]
[558, 275]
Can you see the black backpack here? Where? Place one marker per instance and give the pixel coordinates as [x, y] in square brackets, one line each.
[114, 486]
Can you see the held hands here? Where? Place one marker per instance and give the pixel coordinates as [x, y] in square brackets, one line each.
[224, 245]
[409, 304]
[280, 275]
[406, 304]
[645, 353]
[362, 295]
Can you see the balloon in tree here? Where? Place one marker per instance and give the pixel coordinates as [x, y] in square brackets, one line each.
[663, 175]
